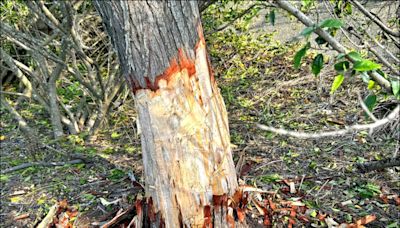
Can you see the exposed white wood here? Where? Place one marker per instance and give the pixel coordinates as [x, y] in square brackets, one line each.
[185, 143]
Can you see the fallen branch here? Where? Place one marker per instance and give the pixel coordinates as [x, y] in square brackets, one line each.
[376, 165]
[45, 164]
[303, 135]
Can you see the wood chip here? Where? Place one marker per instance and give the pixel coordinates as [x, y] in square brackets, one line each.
[17, 193]
[292, 188]
[348, 202]
[23, 216]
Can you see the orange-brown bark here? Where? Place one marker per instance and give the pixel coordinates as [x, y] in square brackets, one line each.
[178, 64]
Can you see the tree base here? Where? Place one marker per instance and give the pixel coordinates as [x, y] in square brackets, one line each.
[225, 212]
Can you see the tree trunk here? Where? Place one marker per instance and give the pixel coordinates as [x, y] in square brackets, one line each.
[185, 135]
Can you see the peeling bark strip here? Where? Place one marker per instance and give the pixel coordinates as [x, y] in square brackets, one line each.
[185, 135]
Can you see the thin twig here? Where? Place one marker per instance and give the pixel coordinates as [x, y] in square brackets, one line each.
[15, 94]
[323, 185]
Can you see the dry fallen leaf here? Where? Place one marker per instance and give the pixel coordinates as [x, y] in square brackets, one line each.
[63, 203]
[384, 198]
[397, 199]
[267, 221]
[241, 215]
[321, 216]
[365, 220]
[272, 204]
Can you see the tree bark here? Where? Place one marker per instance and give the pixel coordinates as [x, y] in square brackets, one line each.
[185, 135]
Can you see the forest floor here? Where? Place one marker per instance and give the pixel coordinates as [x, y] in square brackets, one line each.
[259, 85]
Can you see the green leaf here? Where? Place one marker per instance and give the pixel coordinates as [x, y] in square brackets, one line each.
[395, 87]
[331, 23]
[370, 101]
[300, 54]
[368, 190]
[307, 31]
[271, 178]
[115, 135]
[355, 56]
[306, 3]
[3, 178]
[371, 84]
[337, 82]
[116, 174]
[88, 196]
[272, 17]
[312, 165]
[347, 8]
[341, 67]
[15, 199]
[317, 64]
[379, 71]
[366, 65]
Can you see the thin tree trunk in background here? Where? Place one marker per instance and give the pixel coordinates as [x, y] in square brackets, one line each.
[52, 89]
[185, 136]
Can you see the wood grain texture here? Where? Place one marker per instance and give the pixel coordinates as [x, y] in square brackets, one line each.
[185, 143]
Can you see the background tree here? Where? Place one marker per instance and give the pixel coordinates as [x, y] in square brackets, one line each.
[72, 76]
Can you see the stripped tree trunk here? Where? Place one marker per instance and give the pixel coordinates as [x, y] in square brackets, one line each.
[185, 136]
